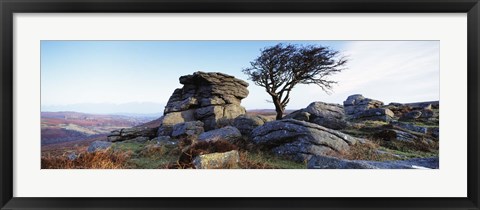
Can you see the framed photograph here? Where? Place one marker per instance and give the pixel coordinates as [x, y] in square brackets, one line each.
[239, 105]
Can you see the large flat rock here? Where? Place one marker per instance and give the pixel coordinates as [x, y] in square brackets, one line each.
[299, 140]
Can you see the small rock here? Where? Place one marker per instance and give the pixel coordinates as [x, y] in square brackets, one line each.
[192, 128]
[164, 140]
[114, 138]
[428, 106]
[427, 113]
[226, 160]
[377, 114]
[98, 145]
[396, 104]
[141, 139]
[72, 156]
[410, 127]
[246, 123]
[228, 133]
[411, 115]
[392, 135]
[425, 105]
[435, 132]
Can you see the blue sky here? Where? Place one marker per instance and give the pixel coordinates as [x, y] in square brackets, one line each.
[133, 76]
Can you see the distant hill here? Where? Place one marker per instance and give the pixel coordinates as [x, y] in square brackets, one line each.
[59, 127]
[126, 109]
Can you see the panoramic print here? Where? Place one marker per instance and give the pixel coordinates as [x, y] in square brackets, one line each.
[282, 104]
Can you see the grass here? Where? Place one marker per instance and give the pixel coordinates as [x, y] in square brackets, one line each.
[367, 151]
[258, 160]
[417, 149]
[410, 154]
[356, 132]
[381, 148]
[364, 129]
[148, 155]
[134, 155]
[135, 147]
[151, 155]
[426, 124]
[108, 159]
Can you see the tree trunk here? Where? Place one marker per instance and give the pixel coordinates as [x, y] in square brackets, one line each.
[278, 107]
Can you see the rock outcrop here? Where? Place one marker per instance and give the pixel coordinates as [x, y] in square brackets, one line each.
[206, 97]
[421, 111]
[357, 103]
[299, 140]
[324, 114]
[358, 107]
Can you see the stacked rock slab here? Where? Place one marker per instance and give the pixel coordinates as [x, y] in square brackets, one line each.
[132, 133]
[361, 108]
[206, 97]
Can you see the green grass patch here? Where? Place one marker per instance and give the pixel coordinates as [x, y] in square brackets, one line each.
[356, 132]
[427, 124]
[364, 129]
[135, 147]
[410, 153]
[148, 155]
[254, 160]
[152, 162]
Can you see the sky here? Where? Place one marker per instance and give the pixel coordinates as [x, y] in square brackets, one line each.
[140, 76]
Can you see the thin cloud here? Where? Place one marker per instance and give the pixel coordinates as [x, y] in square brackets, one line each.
[390, 71]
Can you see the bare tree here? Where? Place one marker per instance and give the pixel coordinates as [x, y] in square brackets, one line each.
[281, 67]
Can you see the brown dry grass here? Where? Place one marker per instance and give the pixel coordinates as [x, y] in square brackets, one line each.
[97, 160]
[364, 151]
[418, 145]
[371, 149]
[151, 150]
[246, 162]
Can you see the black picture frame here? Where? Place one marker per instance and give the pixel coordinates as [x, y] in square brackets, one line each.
[9, 7]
